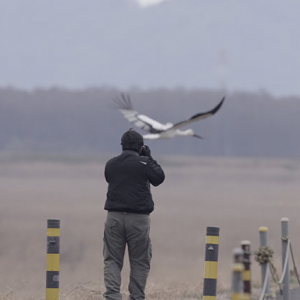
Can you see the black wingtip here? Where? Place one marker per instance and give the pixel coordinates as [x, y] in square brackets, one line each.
[123, 102]
[213, 111]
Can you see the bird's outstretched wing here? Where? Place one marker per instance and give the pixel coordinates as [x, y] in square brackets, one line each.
[124, 105]
[198, 117]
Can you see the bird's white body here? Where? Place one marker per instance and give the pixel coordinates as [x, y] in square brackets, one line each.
[169, 134]
[156, 129]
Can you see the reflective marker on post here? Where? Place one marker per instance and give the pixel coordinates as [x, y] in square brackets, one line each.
[211, 263]
[52, 269]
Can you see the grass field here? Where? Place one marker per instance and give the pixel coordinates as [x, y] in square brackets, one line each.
[237, 194]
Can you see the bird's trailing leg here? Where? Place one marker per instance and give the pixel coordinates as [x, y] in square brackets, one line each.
[197, 136]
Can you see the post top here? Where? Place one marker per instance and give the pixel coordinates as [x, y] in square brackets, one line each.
[245, 243]
[238, 251]
[53, 223]
[215, 231]
[262, 229]
[284, 220]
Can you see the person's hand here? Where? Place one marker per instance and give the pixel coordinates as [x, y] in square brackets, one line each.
[146, 151]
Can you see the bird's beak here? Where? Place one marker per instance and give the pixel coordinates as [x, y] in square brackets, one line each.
[198, 136]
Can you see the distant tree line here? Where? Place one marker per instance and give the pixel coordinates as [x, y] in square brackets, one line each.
[83, 121]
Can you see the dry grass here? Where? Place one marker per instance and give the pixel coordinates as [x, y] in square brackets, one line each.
[94, 291]
[239, 195]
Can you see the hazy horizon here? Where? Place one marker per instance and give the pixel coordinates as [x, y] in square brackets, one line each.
[62, 121]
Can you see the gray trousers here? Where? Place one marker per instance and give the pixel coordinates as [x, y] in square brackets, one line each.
[133, 230]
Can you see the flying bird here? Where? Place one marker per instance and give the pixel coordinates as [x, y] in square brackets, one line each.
[155, 129]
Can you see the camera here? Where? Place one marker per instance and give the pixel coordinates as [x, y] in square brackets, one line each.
[145, 151]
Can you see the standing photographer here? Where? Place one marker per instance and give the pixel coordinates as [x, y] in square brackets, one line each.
[129, 204]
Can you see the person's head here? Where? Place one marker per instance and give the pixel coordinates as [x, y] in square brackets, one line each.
[132, 140]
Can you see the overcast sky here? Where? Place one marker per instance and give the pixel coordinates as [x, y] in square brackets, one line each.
[244, 45]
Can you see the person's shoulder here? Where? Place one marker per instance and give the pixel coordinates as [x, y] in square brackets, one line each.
[112, 160]
[136, 160]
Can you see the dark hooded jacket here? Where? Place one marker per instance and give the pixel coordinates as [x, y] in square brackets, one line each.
[129, 176]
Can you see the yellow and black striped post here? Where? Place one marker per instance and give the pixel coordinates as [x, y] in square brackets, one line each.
[52, 269]
[211, 263]
[246, 246]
